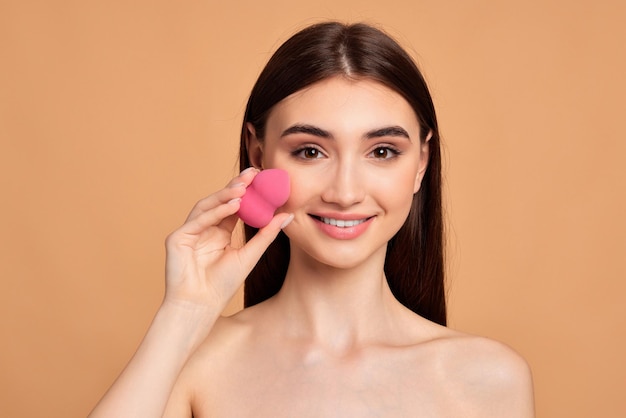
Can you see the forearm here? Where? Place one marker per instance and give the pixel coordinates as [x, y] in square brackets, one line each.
[143, 388]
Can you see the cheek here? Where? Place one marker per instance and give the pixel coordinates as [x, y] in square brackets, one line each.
[395, 193]
[397, 184]
[303, 188]
[400, 203]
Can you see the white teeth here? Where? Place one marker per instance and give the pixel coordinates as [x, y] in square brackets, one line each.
[340, 223]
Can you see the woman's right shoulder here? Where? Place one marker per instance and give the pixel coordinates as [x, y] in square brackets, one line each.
[210, 364]
[227, 333]
[205, 368]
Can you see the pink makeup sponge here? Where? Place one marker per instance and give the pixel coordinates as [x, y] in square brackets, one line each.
[268, 191]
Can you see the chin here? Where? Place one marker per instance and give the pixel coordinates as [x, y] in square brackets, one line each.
[336, 257]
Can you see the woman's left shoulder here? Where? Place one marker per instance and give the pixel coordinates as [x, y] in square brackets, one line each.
[487, 374]
[485, 356]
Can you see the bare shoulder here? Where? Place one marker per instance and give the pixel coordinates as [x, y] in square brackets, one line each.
[206, 368]
[485, 376]
[223, 342]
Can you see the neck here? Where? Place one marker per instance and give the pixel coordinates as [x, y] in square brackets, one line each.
[337, 308]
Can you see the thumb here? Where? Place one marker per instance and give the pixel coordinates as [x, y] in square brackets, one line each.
[252, 251]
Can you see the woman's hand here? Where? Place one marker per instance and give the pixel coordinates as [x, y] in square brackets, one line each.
[203, 269]
[203, 272]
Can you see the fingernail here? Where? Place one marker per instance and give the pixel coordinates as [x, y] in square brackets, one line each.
[234, 186]
[286, 221]
[235, 200]
[247, 170]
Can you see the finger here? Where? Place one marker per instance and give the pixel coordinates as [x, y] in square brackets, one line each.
[245, 177]
[253, 250]
[220, 197]
[212, 217]
[229, 223]
[235, 188]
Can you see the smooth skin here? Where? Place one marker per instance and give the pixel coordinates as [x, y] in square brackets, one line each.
[334, 342]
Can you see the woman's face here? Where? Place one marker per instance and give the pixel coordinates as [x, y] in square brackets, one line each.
[353, 153]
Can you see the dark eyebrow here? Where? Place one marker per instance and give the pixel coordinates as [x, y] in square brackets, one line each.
[306, 129]
[388, 131]
[319, 132]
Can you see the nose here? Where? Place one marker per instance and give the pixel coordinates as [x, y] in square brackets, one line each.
[345, 185]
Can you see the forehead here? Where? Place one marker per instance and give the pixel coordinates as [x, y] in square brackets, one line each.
[341, 103]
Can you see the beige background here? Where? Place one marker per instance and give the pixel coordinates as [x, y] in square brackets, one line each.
[116, 116]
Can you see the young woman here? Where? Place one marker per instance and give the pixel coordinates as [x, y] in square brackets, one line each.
[345, 310]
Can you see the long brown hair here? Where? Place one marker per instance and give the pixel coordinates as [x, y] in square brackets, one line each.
[414, 266]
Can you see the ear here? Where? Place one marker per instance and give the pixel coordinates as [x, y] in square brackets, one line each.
[423, 163]
[254, 147]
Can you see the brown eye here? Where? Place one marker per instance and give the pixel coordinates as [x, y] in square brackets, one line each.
[384, 153]
[308, 153]
[381, 153]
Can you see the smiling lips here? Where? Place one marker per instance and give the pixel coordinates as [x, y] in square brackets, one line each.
[342, 228]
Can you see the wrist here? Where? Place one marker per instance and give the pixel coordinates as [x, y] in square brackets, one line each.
[186, 322]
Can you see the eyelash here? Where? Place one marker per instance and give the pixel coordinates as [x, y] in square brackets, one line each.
[298, 152]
